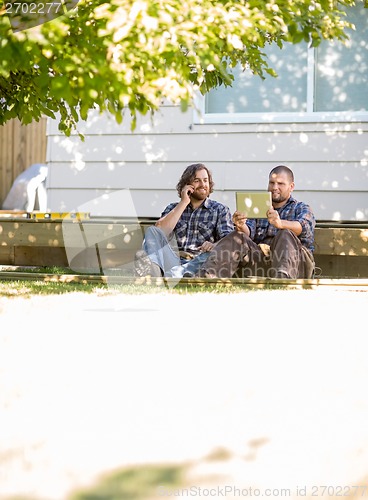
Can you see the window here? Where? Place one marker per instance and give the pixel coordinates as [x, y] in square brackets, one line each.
[326, 83]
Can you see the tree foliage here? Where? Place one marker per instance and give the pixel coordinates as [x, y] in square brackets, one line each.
[129, 55]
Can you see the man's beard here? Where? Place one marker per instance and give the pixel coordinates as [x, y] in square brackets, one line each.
[201, 195]
[278, 198]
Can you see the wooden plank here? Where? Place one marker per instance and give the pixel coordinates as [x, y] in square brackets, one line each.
[6, 159]
[90, 233]
[6, 255]
[342, 266]
[99, 260]
[340, 251]
[13, 213]
[20, 147]
[31, 233]
[328, 240]
[98, 231]
[29, 144]
[36, 142]
[101, 245]
[335, 241]
[39, 256]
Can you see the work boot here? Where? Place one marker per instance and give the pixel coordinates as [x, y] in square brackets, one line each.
[145, 267]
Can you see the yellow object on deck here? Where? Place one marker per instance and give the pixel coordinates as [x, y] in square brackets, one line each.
[59, 215]
[35, 215]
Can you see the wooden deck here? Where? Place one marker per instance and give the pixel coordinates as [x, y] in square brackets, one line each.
[97, 245]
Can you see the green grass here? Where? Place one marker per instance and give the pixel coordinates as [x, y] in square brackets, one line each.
[142, 482]
[135, 483]
[22, 288]
[19, 288]
[12, 287]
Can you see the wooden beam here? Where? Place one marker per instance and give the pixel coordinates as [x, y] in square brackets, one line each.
[341, 241]
[340, 251]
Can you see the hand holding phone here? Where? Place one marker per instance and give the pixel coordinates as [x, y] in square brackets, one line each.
[187, 191]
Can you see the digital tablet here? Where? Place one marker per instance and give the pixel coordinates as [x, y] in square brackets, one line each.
[254, 204]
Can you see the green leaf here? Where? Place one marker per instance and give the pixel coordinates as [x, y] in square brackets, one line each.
[113, 55]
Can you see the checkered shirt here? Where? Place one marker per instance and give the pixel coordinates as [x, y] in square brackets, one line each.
[211, 221]
[262, 232]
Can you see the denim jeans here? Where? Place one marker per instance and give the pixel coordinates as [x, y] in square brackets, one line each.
[166, 254]
[189, 267]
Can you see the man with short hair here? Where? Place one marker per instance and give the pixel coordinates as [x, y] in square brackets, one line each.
[280, 246]
[181, 239]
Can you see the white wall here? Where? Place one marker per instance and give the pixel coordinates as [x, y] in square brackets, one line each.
[122, 173]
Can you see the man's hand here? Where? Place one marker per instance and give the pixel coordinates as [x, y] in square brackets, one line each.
[206, 246]
[186, 192]
[273, 218]
[239, 221]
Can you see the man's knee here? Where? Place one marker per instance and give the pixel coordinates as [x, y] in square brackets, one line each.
[154, 232]
[155, 236]
[284, 243]
[286, 235]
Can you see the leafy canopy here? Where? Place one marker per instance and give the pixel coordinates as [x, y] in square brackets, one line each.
[130, 55]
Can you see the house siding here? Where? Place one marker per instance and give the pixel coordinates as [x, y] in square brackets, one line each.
[117, 172]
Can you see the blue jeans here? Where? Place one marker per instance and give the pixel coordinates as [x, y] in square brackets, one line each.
[166, 255]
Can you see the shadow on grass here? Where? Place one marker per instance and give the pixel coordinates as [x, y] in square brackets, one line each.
[134, 483]
[152, 482]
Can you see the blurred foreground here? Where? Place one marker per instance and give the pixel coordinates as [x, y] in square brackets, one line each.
[129, 397]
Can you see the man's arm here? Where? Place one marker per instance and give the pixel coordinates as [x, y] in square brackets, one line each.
[240, 220]
[274, 219]
[168, 222]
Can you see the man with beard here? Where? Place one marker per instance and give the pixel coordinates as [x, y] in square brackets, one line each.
[181, 239]
[280, 246]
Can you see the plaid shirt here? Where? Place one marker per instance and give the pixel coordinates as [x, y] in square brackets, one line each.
[262, 232]
[209, 222]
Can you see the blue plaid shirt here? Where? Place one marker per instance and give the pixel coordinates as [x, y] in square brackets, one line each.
[209, 222]
[262, 232]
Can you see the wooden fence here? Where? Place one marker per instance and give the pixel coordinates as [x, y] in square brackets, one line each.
[20, 147]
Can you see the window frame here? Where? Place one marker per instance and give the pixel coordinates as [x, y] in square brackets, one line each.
[201, 117]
